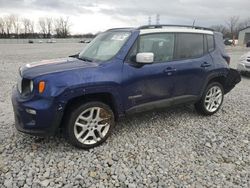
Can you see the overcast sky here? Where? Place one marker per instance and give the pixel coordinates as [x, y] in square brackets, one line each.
[97, 15]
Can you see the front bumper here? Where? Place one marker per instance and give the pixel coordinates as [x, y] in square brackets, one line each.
[44, 122]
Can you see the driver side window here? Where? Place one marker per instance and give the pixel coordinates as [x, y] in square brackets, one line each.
[161, 44]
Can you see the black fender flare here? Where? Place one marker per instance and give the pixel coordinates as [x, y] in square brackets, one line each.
[230, 78]
[216, 75]
[233, 78]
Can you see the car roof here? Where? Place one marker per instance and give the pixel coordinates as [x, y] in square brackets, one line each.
[167, 28]
[175, 30]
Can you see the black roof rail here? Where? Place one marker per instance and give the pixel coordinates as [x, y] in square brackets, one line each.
[119, 28]
[162, 26]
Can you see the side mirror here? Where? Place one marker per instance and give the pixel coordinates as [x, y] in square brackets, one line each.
[145, 58]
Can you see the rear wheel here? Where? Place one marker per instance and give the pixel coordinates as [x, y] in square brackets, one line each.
[211, 100]
[89, 124]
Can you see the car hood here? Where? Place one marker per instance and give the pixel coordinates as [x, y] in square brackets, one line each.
[35, 69]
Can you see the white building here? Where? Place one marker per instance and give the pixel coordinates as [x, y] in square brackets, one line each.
[244, 36]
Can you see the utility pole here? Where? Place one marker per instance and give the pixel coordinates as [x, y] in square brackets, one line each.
[149, 20]
[157, 19]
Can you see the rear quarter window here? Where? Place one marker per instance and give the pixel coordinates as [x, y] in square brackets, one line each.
[210, 43]
[189, 45]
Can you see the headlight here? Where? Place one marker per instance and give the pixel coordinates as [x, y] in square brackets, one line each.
[25, 86]
[19, 83]
[31, 85]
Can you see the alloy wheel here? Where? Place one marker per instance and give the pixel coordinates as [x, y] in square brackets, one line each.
[92, 125]
[213, 99]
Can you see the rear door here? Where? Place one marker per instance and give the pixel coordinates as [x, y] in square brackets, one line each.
[192, 65]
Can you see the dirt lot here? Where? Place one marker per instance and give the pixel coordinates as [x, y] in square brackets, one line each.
[172, 147]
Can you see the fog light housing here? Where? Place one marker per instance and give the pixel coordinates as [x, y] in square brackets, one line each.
[31, 111]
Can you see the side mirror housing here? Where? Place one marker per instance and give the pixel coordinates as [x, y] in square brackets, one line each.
[145, 58]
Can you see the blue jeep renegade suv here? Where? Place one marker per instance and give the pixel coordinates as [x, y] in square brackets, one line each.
[122, 71]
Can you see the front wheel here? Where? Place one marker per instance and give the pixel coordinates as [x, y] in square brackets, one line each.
[89, 124]
[211, 100]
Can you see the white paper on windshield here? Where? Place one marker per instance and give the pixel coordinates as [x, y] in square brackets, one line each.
[120, 36]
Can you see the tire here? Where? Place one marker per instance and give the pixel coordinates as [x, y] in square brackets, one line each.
[211, 100]
[89, 125]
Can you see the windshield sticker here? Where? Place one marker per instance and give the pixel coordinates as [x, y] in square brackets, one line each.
[120, 36]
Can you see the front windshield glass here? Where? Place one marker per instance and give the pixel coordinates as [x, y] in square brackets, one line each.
[105, 46]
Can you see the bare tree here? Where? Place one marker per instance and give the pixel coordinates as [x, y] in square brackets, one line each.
[42, 25]
[62, 27]
[2, 27]
[232, 24]
[15, 24]
[49, 22]
[45, 25]
[8, 20]
[25, 23]
[31, 27]
[220, 28]
[244, 23]
[28, 27]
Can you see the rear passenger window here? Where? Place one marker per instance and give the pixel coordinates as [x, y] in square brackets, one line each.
[189, 45]
[162, 45]
[210, 42]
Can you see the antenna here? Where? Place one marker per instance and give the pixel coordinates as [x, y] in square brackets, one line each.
[194, 22]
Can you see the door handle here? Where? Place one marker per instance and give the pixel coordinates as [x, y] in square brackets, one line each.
[169, 70]
[205, 64]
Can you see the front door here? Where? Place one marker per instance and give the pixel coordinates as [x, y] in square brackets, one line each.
[149, 83]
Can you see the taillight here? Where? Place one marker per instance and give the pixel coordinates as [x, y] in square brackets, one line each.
[227, 58]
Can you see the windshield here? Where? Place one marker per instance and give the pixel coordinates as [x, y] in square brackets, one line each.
[105, 46]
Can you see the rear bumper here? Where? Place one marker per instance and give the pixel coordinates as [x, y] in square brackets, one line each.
[44, 122]
[242, 67]
[232, 79]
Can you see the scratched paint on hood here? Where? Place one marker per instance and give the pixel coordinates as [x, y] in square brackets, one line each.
[34, 69]
[46, 62]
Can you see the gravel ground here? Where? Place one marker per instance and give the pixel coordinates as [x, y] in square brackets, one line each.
[173, 147]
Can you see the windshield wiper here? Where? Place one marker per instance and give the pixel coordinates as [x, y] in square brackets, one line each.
[81, 58]
[75, 55]
[84, 59]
